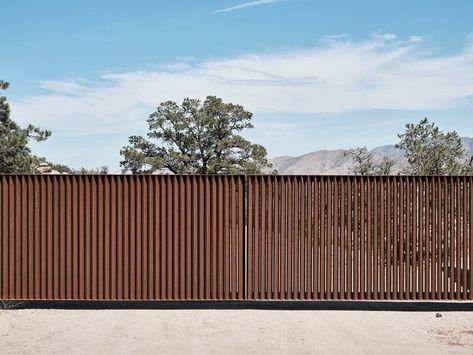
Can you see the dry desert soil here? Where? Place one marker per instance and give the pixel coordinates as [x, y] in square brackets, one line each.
[42, 331]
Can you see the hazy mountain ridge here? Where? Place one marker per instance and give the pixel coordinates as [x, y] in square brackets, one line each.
[334, 162]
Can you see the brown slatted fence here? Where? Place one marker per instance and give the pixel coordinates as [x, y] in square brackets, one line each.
[121, 237]
[365, 238]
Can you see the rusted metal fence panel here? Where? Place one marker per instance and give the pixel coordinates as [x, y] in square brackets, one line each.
[346, 237]
[121, 237]
[235, 237]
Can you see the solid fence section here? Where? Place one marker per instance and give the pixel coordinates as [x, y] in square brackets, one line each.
[121, 237]
[359, 238]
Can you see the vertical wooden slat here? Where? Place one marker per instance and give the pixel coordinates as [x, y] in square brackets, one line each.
[382, 238]
[263, 240]
[144, 238]
[80, 236]
[310, 241]
[207, 231]
[155, 196]
[226, 240]
[220, 238]
[301, 246]
[181, 238]
[150, 237]
[376, 237]
[188, 237]
[11, 243]
[304, 239]
[92, 232]
[451, 249]
[465, 241]
[233, 238]
[100, 258]
[401, 238]
[163, 237]
[329, 255]
[408, 237]
[395, 239]
[257, 238]
[414, 248]
[356, 266]
[87, 238]
[241, 237]
[174, 237]
[423, 247]
[470, 236]
[369, 235]
[362, 261]
[200, 262]
[3, 238]
[107, 242]
[350, 290]
[133, 200]
[120, 238]
[168, 249]
[290, 238]
[342, 238]
[16, 254]
[426, 241]
[417, 263]
[388, 262]
[458, 238]
[73, 265]
[269, 239]
[316, 250]
[445, 237]
[30, 241]
[296, 240]
[276, 238]
[195, 239]
[434, 237]
[250, 264]
[113, 235]
[283, 275]
[336, 234]
[23, 291]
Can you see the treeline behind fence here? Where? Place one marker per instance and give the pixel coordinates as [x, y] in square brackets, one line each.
[149, 237]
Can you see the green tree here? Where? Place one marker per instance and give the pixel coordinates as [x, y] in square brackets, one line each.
[364, 163]
[196, 138]
[429, 151]
[15, 155]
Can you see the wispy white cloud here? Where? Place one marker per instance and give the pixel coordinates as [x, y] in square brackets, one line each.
[381, 72]
[245, 5]
[416, 39]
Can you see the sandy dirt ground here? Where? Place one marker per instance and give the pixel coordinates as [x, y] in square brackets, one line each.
[233, 331]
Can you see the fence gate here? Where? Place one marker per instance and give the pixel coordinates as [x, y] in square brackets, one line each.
[346, 237]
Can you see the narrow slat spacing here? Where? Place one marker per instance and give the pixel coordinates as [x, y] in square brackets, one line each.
[357, 237]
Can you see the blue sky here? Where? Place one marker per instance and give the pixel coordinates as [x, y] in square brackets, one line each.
[316, 74]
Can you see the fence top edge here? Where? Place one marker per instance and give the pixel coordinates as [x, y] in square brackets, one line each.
[241, 175]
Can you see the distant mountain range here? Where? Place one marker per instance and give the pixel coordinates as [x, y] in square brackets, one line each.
[334, 162]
